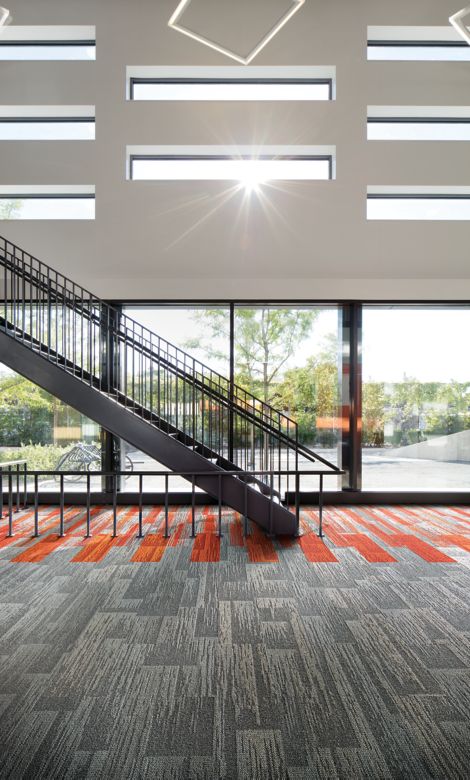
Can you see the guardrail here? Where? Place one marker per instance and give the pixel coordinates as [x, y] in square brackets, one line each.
[14, 473]
[14, 479]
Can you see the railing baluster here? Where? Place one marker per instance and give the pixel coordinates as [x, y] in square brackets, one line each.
[88, 502]
[141, 488]
[62, 501]
[36, 506]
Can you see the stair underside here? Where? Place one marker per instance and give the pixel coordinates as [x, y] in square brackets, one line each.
[158, 444]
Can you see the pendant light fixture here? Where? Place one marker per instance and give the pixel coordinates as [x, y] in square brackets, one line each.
[174, 23]
[457, 22]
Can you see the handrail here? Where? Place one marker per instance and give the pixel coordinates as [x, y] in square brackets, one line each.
[48, 303]
[245, 410]
[120, 317]
[243, 476]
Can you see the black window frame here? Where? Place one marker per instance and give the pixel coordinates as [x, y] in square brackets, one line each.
[213, 80]
[210, 157]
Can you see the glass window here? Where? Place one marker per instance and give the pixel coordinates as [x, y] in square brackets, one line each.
[47, 51]
[409, 129]
[289, 358]
[416, 398]
[50, 435]
[32, 129]
[186, 328]
[419, 51]
[246, 170]
[418, 207]
[225, 89]
[47, 207]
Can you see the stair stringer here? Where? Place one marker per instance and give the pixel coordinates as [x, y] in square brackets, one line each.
[144, 436]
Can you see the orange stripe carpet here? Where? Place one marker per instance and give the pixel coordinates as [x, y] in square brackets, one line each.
[374, 534]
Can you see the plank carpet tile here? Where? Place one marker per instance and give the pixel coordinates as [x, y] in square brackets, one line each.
[235, 658]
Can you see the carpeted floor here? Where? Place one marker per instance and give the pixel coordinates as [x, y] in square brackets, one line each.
[233, 658]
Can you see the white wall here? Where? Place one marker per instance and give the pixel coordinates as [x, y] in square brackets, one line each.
[185, 240]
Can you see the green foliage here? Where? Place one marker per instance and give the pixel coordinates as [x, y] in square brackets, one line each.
[26, 412]
[39, 457]
[9, 209]
[265, 339]
[310, 396]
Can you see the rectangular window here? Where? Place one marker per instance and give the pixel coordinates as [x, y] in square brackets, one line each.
[246, 166]
[418, 129]
[51, 203]
[201, 331]
[47, 43]
[18, 123]
[416, 43]
[416, 398]
[288, 356]
[432, 207]
[231, 83]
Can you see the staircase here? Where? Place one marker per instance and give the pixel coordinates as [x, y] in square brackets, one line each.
[145, 390]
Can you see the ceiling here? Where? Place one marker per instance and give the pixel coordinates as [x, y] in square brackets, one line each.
[189, 240]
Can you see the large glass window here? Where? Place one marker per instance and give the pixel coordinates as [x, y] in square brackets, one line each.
[186, 328]
[416, 398]
[48, 434]
[289, 357]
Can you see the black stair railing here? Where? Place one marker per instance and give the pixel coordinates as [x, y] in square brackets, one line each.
[143, 372]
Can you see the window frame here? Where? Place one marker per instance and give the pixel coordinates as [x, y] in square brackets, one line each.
[138, 80]
[133, 157]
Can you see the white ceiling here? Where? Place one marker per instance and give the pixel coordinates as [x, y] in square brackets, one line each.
[191, 239]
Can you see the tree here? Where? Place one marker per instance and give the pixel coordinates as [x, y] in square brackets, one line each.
[310, 395]
[25, 411]
[373, 413]
[9, 209]
[265, 339]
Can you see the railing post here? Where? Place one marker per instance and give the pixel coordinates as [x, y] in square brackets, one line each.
[62, 502]
[320, 508]
[10, 502]
[139, 533]
[88, 502]
[297, 504]
[219, 532]
[114, 479]
[1, 492]
[167, 535]
[193, 508]
[245, 519]
[25, 485]
[18, 501]
[36, 506]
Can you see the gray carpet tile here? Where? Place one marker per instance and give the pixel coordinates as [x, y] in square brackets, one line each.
[238, 670]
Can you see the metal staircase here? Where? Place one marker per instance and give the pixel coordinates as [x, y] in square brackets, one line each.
[145, 390]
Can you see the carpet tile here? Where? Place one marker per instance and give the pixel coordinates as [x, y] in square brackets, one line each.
[235, 658]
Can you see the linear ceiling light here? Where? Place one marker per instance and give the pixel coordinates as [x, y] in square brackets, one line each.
[174, 24]
[457, 22]
[4, 16]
